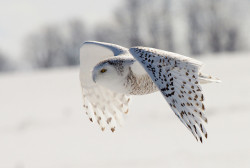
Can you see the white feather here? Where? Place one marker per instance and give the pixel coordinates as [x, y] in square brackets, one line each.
[101, 104]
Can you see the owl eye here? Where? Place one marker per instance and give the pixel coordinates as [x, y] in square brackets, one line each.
[103, 70]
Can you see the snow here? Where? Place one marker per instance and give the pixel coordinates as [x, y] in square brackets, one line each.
[42, 124]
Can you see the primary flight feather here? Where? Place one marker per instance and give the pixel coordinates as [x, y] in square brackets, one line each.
[109, 74]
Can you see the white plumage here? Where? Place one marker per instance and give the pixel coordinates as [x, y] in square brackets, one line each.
[110, 73]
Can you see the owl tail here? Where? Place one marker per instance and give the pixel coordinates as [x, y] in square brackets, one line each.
[204, 79]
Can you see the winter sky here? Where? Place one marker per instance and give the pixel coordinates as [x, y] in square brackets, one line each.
[19, 18]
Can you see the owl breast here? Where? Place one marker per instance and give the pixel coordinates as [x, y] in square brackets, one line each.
[139, 84]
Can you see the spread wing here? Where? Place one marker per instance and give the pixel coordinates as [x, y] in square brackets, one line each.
[101, 104]
[176, 76]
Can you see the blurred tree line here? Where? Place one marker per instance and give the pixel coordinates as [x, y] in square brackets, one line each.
[189, 27]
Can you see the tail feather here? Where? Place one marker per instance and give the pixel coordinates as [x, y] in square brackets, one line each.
[204, 78]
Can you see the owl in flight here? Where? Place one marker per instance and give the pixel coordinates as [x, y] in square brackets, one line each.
[110, 73]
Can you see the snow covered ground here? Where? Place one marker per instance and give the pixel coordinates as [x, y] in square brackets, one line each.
[42, 124]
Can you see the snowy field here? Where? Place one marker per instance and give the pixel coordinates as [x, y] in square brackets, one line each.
[42, 124]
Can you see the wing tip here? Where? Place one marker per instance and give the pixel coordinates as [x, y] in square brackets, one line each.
[90, 42]
[116, 49]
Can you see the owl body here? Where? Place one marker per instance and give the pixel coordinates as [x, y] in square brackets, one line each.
[113, 73]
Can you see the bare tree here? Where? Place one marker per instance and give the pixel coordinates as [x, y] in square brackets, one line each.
[154, 29]
[223, 29]
[133, 11]
[110, 33]
[52, 47]
[44, 48]
[168, 25]
[126, 27]
[212, 26]
[140, 22]
[77, 35]
[4, 63]
[128, 22]
[233, 40]
[215, 27]
[195, 26]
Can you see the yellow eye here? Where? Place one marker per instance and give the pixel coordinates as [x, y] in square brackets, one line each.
[103, 70]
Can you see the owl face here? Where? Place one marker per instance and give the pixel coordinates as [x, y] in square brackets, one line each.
[109, 75]
[103, 72]
[112, 73]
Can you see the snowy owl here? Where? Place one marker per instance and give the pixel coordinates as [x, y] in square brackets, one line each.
[109, 74]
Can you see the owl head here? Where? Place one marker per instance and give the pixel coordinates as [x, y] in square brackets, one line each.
[111, 73]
